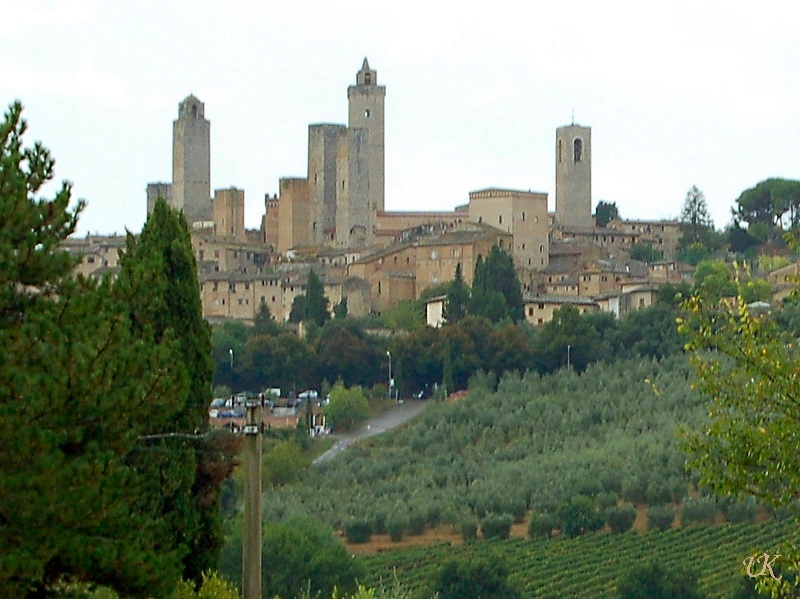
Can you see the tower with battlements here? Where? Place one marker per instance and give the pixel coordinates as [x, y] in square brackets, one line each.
[191, 161]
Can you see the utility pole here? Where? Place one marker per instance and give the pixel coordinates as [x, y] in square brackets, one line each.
[251, 570]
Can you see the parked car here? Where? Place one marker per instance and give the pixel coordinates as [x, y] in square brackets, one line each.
[309, 394]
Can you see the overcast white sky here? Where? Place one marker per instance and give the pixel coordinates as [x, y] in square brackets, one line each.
[677, 94]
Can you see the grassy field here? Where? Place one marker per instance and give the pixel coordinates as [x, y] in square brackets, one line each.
[588, 566]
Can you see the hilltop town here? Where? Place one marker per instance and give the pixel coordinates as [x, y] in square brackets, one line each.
[334, 221]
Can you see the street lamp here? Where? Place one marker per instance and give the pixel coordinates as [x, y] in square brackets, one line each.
[388, 353]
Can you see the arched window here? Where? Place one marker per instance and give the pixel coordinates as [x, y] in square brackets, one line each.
[577, 147]
[194, 111]
[367, 78]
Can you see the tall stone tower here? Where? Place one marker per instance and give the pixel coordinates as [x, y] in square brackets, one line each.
[191, 161]
[574, 176]
[365, 100]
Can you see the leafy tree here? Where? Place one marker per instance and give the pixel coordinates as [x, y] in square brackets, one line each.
[651, 581]
[455, 307]
[749, 447]
[227, 344]
[347, 407]
[405, 315]
[695, 253]
[298, 311]
[316, 302]
[767, 204]
[263, 321]
[212, 587]
[300, 556]
[649, 332]
[344, 351]
[478, 579]
[645, 252]
[714, 280]
[79, 382]
[580, 515]
[282, 463]
[620, 518]
[740, 239]
[567, 335]
[340, 309]
[605, 212]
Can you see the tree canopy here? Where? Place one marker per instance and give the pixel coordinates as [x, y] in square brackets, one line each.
[605, 212]
[87, 376]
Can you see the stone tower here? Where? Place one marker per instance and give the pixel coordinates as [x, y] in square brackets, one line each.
[365, 100]
[191, 161]
[574, 176]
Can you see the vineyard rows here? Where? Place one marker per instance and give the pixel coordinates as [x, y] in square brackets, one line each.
[588, 566]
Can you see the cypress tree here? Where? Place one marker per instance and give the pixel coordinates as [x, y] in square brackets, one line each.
[455, 307]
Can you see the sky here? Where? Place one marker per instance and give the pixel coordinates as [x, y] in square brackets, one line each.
[677, 94]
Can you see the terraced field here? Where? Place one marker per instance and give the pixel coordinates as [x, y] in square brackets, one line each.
[588, 566]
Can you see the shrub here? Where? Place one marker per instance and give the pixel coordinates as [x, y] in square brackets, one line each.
[741, 511]
[517, 508]
[579, 515]
[396, 526]
[701, 509]
[542, 525]
[358, 531]
[620, 518]
[417, 523]
[606, 500]
[660, 517]
[497, 526]
[469, 530]
[434, 516]
[465, 579]
[634, 490]
[654, 582]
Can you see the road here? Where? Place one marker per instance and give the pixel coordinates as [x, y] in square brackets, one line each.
[400, 414]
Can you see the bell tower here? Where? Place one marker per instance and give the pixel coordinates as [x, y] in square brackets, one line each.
[574, 176]
[365, 100]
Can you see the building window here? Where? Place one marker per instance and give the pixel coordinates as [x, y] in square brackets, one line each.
[500, 219]
[367, 78]
[523, 216]
[530, 311]
[379, 287]
[541, 306]
[541, 248]
[434, 255]
[577, 147]
[366, 113]
[559, 150]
